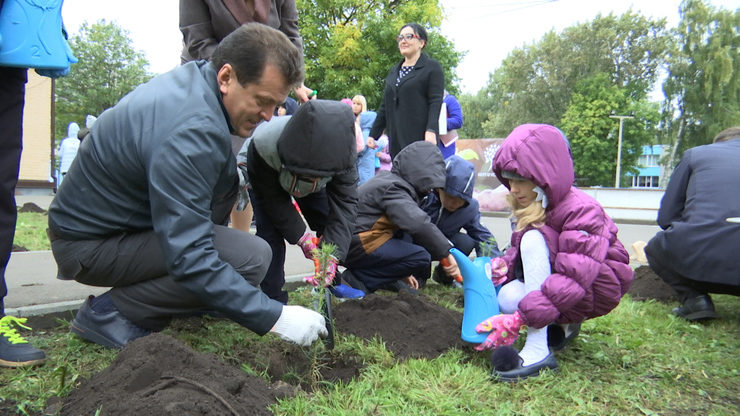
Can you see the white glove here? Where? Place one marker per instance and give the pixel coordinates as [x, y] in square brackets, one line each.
[300, 325]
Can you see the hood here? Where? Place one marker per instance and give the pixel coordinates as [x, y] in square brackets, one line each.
[420, 164]
[460, 178]
[367, 118]
[319, 139]
[537, 152]
[72, 129]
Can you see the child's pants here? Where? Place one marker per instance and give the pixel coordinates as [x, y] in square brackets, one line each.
[394, 260]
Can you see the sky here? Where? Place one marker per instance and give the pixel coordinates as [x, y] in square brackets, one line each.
[487, 30]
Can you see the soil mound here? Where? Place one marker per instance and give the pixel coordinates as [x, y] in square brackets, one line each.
[159, 375]
[31, 207]
[648, 285]
[410, 326]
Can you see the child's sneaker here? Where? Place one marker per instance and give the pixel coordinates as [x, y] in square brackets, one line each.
[343, 291]
[14, 350]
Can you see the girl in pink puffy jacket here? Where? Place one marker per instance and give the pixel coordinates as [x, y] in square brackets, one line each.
[565, 264]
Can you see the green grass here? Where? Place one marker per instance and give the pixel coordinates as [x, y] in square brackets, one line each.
[638, 360]
[30, 231]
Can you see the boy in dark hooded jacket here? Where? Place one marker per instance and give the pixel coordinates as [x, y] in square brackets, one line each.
[388, 208]
[309, 156]
[453, 209]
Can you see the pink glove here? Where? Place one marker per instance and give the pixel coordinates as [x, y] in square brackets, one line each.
[308, 244]
[503, 328]
[330, 272]
[499, 271]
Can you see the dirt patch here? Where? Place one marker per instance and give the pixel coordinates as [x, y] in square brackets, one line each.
[648, 285]
[18, 248]
[410, 326]
[31, 207]
[159, 375]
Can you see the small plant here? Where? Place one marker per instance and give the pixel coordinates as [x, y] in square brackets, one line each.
[489, 248]
[323, 258]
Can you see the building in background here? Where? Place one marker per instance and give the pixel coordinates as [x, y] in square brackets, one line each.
[649, 166]
[37, 159]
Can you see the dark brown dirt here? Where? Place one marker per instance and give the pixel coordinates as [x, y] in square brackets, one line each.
[647, 285]
[31, 207]
[159, 375]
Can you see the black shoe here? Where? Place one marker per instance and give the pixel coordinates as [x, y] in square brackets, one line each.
[508, 366]
[352, 281]
[557, 340]
[399, 286]
[439, 276]
[697, 308]
[109, 329]
[14, 350]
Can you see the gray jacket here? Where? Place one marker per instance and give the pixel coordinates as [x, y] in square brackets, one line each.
[158, 160]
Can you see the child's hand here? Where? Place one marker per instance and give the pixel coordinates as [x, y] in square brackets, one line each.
[499, 271]
[449, 265]
[503, 328]
[412, 282]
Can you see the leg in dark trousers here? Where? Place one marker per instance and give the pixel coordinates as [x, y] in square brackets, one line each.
[133, 264]
[394, 260]
[12, 95]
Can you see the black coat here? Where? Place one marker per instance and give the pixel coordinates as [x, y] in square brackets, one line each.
[697, 240]
[411, 108]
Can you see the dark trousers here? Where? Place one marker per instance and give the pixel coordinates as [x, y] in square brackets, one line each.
[686, 288]
[394, 260]
[315, 209]
[133, 265]
[12, 95]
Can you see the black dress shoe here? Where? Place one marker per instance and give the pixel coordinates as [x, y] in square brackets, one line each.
[511, 372]
[557, 340]
[696, 309]
[109, 329]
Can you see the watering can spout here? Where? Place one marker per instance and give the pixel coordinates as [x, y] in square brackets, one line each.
[478, 293]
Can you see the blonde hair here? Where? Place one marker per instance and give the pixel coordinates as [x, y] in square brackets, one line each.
[362, 100]
[533, 215]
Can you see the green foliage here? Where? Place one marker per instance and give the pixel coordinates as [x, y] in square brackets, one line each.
[535, 83]
[593, 135]
[108, 68]
[477, 110]
[349, 45]
[703, 85]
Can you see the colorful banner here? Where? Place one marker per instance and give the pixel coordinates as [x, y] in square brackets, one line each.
[480, 153]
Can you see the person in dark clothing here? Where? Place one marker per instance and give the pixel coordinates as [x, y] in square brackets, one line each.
[453, 209]
[412, 97]
[310, 157]
[700, 218]
[144, 207]
[394, 240]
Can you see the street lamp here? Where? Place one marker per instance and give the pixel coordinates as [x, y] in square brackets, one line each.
[619, 145]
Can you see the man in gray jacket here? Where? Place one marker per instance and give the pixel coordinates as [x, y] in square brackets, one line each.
[147, 199]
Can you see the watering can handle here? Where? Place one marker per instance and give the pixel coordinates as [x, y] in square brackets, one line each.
[446, 263]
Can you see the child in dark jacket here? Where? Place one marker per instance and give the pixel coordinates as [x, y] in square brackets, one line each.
[453, 209]
[388, 209]
[565, 246]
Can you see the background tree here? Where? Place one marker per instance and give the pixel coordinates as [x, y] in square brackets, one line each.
[593, 135]
[108, 68]
[535, 83]
[349, 45]
[703, 84]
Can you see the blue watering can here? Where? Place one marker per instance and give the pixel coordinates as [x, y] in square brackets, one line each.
[479, 294]
[31, 35]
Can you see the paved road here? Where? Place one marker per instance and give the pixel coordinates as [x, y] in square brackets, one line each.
[33, 288]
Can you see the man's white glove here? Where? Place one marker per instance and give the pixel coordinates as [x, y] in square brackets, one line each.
[300, 325]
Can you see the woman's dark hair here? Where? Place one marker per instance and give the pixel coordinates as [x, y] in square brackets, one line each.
[418, 30]
[252, 46]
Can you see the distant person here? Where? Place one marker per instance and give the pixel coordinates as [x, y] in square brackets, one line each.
[382, 155]
[365, 157]
[447, 142]
[89, 121]
[394, 240]
[308, 157]
[700, 217]
[288, 108]
[45, 48]
[453, 209]
[565, 263]
[412, 97]
[67, 151]
[165, 179]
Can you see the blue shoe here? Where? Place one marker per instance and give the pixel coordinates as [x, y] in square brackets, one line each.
[14, 350]
[343, 291]
[110, 328]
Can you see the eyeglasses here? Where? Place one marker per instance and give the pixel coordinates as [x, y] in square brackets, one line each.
[407, 36]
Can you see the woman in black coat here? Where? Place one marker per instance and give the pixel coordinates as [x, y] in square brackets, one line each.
[412, 98]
